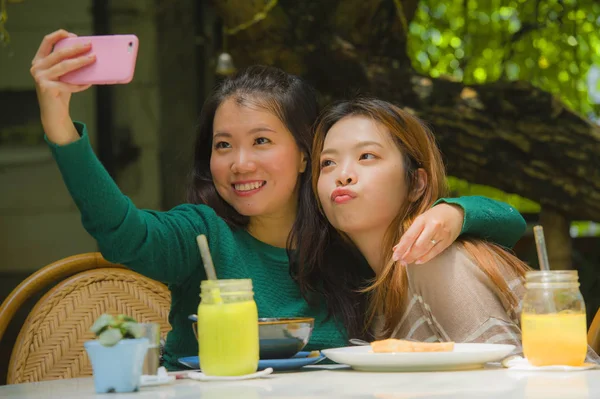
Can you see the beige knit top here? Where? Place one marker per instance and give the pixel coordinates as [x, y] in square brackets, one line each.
[451, 299]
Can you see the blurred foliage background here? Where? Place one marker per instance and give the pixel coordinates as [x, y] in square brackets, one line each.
[554, 44]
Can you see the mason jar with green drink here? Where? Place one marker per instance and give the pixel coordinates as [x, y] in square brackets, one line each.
[227, 328]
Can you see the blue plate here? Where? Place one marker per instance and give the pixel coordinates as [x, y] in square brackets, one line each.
[300, 359]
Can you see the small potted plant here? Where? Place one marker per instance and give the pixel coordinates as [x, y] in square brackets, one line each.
[117, 355]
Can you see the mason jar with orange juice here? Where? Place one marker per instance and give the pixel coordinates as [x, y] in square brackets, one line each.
[227, 328]
[553, 321]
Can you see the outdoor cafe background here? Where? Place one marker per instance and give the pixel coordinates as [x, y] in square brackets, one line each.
[541, 58]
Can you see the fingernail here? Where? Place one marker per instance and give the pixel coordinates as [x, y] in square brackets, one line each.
[72, 35]
[395, 257]
[419, 262]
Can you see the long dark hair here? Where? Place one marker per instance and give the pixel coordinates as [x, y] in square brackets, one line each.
[332, 269]
[286, 96]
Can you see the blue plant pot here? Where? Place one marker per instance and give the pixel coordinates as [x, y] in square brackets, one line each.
[117, 368]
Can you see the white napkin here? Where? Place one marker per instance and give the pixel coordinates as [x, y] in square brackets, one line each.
[520, 363]
[196, 375]
[161, 377]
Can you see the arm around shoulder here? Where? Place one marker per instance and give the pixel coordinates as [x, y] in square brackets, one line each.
[490, 220]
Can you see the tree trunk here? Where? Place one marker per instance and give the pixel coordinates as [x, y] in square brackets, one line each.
[179, 97]
[509, 135]
[558, 239]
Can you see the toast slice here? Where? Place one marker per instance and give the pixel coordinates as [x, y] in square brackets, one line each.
[400, 345]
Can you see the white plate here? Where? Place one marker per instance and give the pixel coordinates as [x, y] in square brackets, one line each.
[464, 357]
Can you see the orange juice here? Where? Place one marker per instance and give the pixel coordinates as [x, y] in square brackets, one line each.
[228, 338]
[554, 339]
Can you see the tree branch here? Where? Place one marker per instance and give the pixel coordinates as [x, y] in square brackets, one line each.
[509, 135]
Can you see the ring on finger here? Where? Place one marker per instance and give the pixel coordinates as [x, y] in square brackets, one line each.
[434, 242]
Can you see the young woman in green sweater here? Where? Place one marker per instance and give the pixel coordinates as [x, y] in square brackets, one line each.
[250, 194]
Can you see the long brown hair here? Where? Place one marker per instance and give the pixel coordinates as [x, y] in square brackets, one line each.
[419, 150]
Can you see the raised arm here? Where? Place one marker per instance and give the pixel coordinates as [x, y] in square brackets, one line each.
[436, 229]
[159, 245]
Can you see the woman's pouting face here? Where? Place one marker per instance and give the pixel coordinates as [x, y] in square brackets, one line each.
[361, 183]
[255, 161]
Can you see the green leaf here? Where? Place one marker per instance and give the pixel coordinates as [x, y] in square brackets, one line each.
[110, 337]
[102, 323]
[499, 40]
[133, 329]
[123, 318]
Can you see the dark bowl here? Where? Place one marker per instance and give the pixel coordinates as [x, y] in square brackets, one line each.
[283, 337]
[280, 337]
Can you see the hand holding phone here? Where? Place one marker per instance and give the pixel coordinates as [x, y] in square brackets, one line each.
[115, 59]
[65, 64]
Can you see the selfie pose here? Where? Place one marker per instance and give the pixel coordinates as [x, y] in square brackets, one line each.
[250, 194]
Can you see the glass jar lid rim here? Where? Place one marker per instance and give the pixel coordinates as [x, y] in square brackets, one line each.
[542, 273]
[226, 282]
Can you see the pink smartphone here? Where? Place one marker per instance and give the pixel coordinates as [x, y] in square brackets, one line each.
[115, 59]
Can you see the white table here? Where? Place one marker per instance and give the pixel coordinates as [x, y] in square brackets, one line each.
[330, 382]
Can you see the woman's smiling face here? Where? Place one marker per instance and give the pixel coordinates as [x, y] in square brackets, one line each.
[255, 161]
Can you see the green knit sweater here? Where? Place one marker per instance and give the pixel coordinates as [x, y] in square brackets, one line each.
[162, 246]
